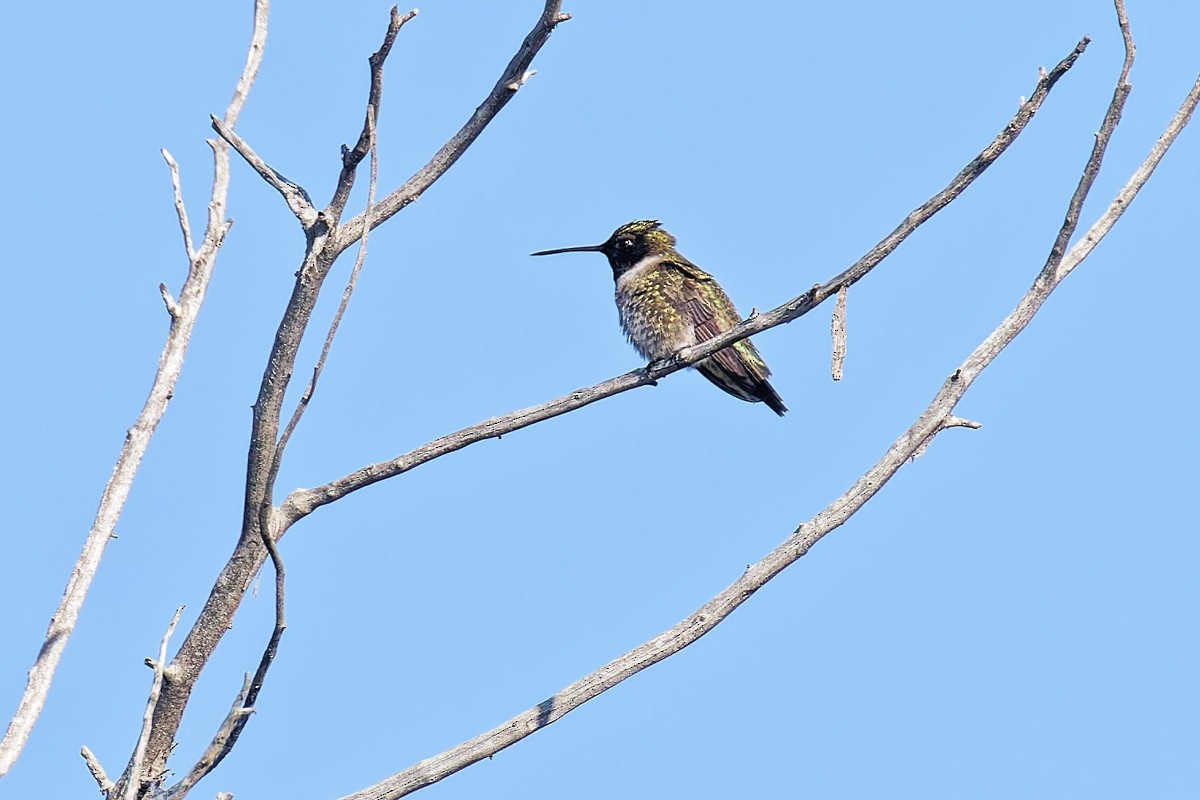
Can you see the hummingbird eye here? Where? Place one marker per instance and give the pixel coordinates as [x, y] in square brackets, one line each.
[624, 243]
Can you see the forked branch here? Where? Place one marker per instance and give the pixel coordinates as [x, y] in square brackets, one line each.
[937, 416]
[183, 312]
[326, 240]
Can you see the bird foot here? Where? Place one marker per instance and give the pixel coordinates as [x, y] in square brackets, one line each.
[653, 367]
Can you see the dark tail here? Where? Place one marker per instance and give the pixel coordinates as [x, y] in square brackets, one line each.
[742, 385]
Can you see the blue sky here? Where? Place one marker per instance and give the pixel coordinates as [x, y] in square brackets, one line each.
[1013, 616]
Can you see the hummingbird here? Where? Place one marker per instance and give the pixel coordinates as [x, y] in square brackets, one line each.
[667, 303]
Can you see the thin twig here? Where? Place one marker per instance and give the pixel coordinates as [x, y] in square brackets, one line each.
[94, 767]
[309, 390]
[352, 157]
[169, 301]
[293, 194]
[838, 329]
[249, 553]
[112, 500]
[191, 297]
[219, 747]
[1087, 243]
[937, 416]
[180, 209]
[514, 75]
[227, 735]
[1127, 39]
[302, 502]
[139, 751]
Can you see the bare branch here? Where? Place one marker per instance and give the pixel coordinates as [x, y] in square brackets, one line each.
[180, 209]
[352, 157]
[936, 417]
[341, 310]
[1087, 243]
[254, 56]
[514, 75]
[302, 502]
[293, 194]
[258, 521]
[169, 301]
[838, 328]
[249, 695]
[220, 745]
[94, 767]
[139, 751]
[191, 297]
[1127, 39]
[112, 500]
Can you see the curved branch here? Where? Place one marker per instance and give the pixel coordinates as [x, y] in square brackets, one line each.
[302, 502]
[936, 417]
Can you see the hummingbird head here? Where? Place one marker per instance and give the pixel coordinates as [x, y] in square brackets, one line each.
[628, 245]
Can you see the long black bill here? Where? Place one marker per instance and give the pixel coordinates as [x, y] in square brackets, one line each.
[591, 248]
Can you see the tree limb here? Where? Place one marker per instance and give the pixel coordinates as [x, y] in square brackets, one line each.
[325, 242]
[190, 299]
[937, 416]
[184, 314]
[510, 82]
[139, 750]
[302, 502]
[221, 744]
[293, 194]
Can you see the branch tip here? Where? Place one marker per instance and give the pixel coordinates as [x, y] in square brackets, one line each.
[137, 765]
[180, 210]
[94, 767]
[519, 82]
[838, 330]
[169, 301]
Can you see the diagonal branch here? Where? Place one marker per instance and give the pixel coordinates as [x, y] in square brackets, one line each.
[352, 157]
[936, 417]
[293, 194]
[139, 751]
[184, 314]
[221, 744]
[190, 299]
[243, 705]
[325, 243]
[309, 390]
[217, 615]
[510, 82]
[302, 502]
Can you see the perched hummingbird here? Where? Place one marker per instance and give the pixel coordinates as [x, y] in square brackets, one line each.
[667, 303]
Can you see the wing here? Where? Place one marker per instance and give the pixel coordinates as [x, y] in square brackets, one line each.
[738, 369]
[712, 312]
